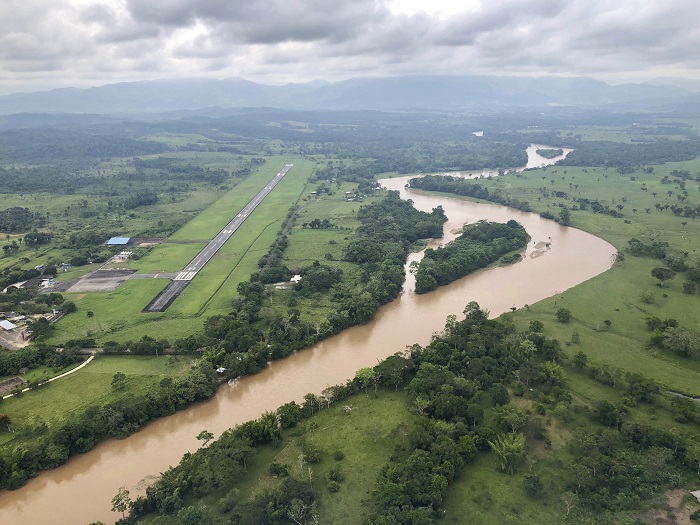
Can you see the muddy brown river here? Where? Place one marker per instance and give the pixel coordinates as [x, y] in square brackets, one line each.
[557, 258]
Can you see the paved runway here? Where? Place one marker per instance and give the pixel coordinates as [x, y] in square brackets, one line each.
[182, 279]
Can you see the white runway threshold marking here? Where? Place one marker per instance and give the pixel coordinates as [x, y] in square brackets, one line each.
[185, 276]
[170, 293]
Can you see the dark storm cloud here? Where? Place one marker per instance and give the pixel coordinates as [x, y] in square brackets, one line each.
[303, 39]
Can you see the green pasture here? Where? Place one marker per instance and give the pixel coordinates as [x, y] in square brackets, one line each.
[615, 295]
[167, 257]
[179, 139]
[92, 385]
[112, 312]
[490, 497]
[367, 436]
[612, 189]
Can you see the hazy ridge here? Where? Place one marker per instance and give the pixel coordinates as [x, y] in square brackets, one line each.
[394, 93]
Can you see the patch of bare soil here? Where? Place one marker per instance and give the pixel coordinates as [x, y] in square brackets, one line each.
[101, 281]
[677, 512]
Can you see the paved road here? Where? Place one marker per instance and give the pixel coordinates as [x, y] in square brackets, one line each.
[182, 279]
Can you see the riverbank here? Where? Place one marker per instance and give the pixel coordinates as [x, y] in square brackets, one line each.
[408, 320]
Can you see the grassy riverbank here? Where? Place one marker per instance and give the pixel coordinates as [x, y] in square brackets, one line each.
[617, 296]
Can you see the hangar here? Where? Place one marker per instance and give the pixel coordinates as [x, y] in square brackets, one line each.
[118, 241]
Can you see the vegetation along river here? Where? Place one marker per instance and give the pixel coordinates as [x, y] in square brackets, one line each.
[556, 259]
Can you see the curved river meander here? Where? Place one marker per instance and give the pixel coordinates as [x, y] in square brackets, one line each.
[81, 491]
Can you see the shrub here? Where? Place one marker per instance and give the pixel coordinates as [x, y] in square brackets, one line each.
[279, 469]
[646, 297]
[336, 474]
[564, 315]
[533, 485]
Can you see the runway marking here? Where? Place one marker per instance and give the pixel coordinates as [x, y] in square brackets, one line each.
[185, 276]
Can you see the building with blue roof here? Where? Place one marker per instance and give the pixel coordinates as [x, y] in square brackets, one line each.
[118, 241]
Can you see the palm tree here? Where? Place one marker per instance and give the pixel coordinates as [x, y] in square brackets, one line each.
[510, 449]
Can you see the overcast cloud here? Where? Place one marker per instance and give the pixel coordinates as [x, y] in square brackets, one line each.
[51, 43]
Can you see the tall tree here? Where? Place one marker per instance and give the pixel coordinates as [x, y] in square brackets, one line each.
[121, 501]
[663, 274]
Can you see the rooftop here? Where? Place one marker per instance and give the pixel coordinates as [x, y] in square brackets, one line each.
[7, 325]
[118, 241]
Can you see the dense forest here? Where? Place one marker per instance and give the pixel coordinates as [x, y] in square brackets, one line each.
[467, 188]
[18, 220]
[628, 157]
[478, 245]
[46, 145]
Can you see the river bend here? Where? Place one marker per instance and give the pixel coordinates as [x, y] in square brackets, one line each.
[556, 259]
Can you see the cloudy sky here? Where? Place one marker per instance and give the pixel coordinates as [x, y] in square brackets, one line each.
[56, 43]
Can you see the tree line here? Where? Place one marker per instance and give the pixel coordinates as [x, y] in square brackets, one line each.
[478, 245]
[461, 387]
[628, 157]
[117, 418]
[48, 145]
[467, 188]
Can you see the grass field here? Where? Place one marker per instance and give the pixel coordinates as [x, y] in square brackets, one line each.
[117, 314]
[112, 311]
[615, 295]
[307, 245]
[167, 257]
[367, 436]
[59, 400]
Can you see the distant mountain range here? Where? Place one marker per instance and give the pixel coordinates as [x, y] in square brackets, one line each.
[396, 93]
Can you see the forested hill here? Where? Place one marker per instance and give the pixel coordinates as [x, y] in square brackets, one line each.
[425, 92]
